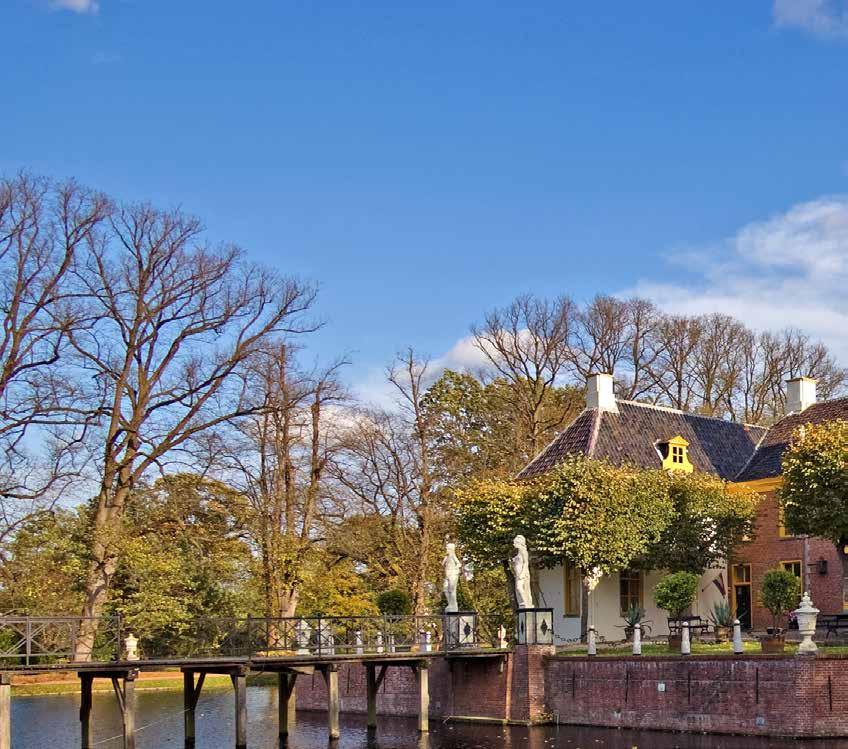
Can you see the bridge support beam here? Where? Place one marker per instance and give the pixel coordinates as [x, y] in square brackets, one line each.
[422, 673]
[191, 694]
[86, 681]
[5, 712]
[331, 676]
[286, 702]
[240, 688]
[373, 682]
[125, 694]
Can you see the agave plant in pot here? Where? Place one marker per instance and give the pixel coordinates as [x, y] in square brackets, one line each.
[675, 593]
[722, 618]
[633, 616]
[779, 595]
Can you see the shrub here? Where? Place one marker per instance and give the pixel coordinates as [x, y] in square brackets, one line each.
[721, 615]
[780, 593]
[676, 592]
[394, 602]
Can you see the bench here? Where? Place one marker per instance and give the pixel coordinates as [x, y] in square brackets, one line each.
[833, 624]
[696, 625]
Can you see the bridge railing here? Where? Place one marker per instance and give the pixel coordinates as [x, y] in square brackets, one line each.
[31, 641]
[326, 636]
[28, 642]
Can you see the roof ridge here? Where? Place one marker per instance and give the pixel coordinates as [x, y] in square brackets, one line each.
[693, 414]
[596, 428]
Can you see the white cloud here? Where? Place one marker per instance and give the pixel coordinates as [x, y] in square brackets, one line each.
[790, 270]
[90, 7]
[826, 18]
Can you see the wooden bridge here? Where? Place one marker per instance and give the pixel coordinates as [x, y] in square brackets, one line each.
[236, 647]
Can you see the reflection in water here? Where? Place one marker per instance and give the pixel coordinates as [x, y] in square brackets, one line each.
[52, 723]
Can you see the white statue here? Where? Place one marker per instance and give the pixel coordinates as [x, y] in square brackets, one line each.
[521, 572]
[453, 567]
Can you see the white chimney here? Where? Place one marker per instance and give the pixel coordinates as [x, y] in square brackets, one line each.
[599, 393]
[800, 394]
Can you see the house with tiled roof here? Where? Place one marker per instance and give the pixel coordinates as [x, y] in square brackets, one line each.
[650, 436]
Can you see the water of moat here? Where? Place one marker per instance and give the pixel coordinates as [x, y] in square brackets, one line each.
[51, 722]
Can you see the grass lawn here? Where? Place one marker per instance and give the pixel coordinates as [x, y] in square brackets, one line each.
[72, 686]
[698, 648]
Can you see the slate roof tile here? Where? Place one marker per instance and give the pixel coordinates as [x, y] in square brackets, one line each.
[766, 461]
[629, 437]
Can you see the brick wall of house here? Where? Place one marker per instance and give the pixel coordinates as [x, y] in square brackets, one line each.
[768, 549]
[753, 695]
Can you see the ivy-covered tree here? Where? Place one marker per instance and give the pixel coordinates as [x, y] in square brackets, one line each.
[707, 522]
[814, 494]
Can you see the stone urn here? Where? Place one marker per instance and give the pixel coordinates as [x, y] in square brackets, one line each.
[131, 647]
[806, 615]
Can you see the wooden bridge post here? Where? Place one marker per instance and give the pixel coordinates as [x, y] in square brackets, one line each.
[331, 677]
[129, 709]
[422, 673]
[5, 712]
[86, 681]
[191, 694]
[287, 701]
[240, 687]
[371, 691]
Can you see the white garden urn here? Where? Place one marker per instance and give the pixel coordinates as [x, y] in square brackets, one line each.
[131, 647]
[806, 615]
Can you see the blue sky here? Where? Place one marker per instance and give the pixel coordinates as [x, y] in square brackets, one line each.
[427, 163]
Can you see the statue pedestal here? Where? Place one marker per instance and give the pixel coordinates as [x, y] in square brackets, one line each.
[535, 626]
[460, 629]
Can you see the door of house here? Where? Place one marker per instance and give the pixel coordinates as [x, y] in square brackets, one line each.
[742, 594]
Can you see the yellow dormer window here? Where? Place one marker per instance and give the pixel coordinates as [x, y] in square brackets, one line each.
[676, 455]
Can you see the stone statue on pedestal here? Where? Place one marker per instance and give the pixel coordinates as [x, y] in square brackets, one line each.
[453, 568]
[521, 572]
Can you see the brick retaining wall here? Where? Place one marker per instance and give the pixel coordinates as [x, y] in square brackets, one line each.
[785, 696]
[767, 695]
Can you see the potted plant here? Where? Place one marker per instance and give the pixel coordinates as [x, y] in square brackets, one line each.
[722, 619]
[779, 594]
[675, 593]
[633, 616]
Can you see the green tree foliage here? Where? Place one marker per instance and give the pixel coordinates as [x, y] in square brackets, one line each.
[707, 522]
[45, 565]
[478, 427]
[596, 515]
[780, 593]
[184, 558]
[676, 592]
[394, 602]
[333, 586]
[814, 494]
[589, 512]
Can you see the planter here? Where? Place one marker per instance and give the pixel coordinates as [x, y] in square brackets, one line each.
[674, 642]
[773, 643]
[628, 634]
[722, 634]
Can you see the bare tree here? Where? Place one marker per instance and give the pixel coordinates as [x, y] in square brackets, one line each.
[172, 323]
[672, 371]
[715, 363]
[43, 226]
[385, 471]
[277, 456]
[528, 344]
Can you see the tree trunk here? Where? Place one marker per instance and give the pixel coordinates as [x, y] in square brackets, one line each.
[584, 609]
[104, 562]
